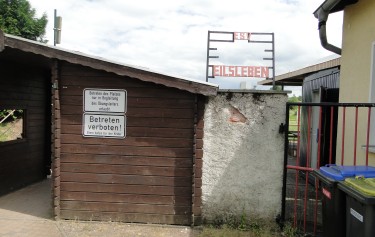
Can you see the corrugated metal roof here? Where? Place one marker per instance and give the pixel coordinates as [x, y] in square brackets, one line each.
[141, 73]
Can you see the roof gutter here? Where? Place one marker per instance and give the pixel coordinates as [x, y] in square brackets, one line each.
[322, 14]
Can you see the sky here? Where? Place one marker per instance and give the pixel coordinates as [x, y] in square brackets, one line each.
[170, 36]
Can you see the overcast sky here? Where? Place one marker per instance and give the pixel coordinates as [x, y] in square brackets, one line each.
[170, 36]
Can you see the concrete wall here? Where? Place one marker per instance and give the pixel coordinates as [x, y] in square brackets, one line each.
[243, 155]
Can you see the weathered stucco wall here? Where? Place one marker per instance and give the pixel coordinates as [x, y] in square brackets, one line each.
[243, 155]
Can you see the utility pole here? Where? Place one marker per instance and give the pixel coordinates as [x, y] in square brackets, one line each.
[57, 29]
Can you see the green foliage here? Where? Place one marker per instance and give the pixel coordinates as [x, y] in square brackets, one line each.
[17, 17]
[14, 115]
[276, 88]
[289, 231]
[293, 112]
[234, 225]
[295, 99]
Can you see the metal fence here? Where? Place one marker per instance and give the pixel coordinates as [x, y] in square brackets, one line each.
[324, 133]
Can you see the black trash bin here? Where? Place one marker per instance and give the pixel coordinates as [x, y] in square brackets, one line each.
[333, 203]
[360, 206]
[333, 199]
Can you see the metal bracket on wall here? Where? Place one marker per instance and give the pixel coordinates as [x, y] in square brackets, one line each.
[282, 128]
[55, 85]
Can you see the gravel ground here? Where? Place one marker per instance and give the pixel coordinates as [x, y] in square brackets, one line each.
[27, 213]
[115, 229]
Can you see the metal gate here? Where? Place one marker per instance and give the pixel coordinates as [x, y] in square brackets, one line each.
[319, 134]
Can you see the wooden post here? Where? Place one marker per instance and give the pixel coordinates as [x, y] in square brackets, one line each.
[55, 139]
[2, 46]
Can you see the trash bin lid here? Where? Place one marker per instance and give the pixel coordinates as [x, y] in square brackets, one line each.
[371, 181]
[355, 193]
[364, 185]
[339, 173]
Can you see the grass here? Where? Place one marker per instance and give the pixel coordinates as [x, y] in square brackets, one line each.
[229, 232]
[264, 230]
[3, 134]
[10, 130]
[293, 122]
[240, 226]
[289, 230]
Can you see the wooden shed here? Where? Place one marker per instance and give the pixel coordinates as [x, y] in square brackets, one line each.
[150, 171]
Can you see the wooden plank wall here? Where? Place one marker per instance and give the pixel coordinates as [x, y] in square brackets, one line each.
[146, 177]
[23, 162]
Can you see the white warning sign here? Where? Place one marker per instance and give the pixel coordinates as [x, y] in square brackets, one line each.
[104, 125]
[104, 113]
[104, 101]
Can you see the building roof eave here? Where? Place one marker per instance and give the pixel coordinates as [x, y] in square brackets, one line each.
[141, 73]
[295, 78]
[338, 7]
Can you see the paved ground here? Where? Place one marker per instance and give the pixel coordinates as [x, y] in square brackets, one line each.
[27, 213]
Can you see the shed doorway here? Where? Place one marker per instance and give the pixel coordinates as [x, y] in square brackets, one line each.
[25, 111]
[328, 122]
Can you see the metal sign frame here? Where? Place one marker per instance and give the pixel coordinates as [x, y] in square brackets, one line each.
[240, 36]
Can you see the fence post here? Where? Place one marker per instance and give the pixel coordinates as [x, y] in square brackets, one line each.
[283, 194]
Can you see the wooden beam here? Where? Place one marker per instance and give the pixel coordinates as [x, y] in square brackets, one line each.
[1, 40]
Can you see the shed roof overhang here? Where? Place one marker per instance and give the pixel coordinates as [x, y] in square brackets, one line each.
[295, 78]
[24, 47]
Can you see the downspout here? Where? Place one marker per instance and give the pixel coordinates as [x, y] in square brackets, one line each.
[322, 14]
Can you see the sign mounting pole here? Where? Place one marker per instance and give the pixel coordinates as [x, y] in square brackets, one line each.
[208, 55]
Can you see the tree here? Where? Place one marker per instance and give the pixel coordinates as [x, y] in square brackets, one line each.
[17, 17]
[294, 99]
[276, 88]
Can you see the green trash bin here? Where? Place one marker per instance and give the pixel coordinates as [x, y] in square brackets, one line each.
[360, 206]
